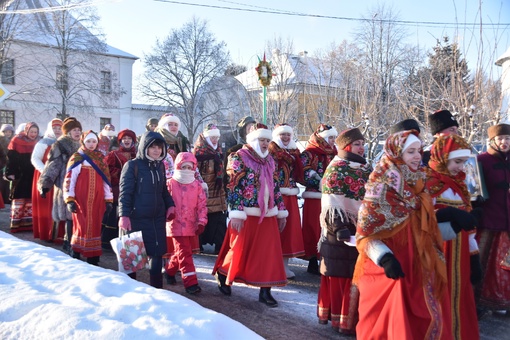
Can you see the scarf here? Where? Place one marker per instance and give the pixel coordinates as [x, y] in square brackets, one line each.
[319, 147]
[94, 158]
[204, 152]
[184, 176]
[395, 199]
[21, 143]
[264, 168]
[288, 160]
[176, 143]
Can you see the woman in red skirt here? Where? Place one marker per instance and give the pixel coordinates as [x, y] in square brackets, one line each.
[251, 252]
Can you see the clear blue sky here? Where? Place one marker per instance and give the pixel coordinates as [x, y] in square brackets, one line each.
[134, 25]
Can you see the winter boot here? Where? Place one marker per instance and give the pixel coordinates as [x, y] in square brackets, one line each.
[156, 281]
[67, 237]
[132, 275]
[266, 297]
[222, 284]
[195, 289]
[94, 260]
[170, 279]
[313, 266]
[290, 274]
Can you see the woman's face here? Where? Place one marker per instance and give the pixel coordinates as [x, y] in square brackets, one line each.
[75, 133]
[331, 140]
[285, 138]
[264, 144]
[154, 151]
[90, 144]
[8, 133]
[502, 142]
[214, 140]
[456, 165]
[33, 132]
[173, 128]
[412, 156]
[358, 147]
[57, 130]
[126, 141]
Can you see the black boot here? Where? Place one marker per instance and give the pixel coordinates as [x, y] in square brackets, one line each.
[195, 289]
[170, 279]
[313, 266]
[67, 237]
[156, 281]
[266, 297]
[132, 275]
[94, 260]
[222, 284]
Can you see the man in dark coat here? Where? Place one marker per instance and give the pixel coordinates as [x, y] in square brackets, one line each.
[144, 202]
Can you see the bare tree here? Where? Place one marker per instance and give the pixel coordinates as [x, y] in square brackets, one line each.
[179, 66]
[66, 58]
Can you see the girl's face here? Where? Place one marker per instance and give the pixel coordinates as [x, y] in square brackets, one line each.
[187, 166]
[75, 133]
[456, 165]
[502, 142]
[214, 140]
[412, 156]
[173, 128]
[264, 144]
[57, 130]
[285, 138]
[331, 140]
[126, 141]
[358, 147]
[90, 144]
[8, 133]
[33, 132]
[154, 151]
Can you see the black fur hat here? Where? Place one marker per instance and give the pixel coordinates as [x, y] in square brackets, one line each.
[441, 120]
[404, 125]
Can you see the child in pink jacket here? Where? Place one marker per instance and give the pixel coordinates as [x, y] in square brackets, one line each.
[190, 220]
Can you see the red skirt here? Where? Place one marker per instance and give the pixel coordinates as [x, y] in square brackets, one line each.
[292, 236]
[311, 226]
[495, 288]
[41, 211]
[87, 220]
[253, 256]
[338, 301]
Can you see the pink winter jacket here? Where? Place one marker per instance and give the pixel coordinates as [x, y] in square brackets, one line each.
[190, 200]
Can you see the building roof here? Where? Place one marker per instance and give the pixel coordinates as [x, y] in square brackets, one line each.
[503, 58]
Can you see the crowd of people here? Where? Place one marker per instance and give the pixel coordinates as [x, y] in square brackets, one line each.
[403, 249]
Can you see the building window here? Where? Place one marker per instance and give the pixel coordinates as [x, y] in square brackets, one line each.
[8, 72]
[106, 82]
[7, 117]
[103, 121]
[62, 77]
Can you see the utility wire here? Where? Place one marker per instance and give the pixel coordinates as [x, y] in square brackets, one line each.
[279, 12]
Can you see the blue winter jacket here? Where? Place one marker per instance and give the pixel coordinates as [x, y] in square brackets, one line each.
[144, 196]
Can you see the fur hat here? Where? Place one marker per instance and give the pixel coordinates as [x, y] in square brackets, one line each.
[69, 124]
[404, 125]
[441, 120]
[261, 131]
[126, 132]
[7, 127]
[56, 122]
[169, 118]
[498, 130]
[282, 128]
[211, 130]
[245, 121]
[151, 121]
[346, 137]
[326, 131]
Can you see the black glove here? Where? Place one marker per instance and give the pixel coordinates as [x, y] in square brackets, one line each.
[109, 207]
[476, 269]
[44, 191]
[459, 219]
[392, 267]
[343, 234]
[71, 206]
[477, 213]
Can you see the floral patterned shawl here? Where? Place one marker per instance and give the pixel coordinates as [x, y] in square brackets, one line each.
[204, 152]
[320, 147]
[395, 199]
[439, 178]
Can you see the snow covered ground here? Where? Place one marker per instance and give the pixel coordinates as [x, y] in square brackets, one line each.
[48, 295]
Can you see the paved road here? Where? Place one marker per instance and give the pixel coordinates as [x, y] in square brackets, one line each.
[295, 318]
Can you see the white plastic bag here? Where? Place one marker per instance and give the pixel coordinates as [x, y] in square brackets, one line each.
[130, 251]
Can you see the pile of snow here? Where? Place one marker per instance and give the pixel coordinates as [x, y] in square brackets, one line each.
[46, 294]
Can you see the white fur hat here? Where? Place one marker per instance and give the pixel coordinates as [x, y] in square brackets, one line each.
[282, 128]
[326, 131]
[211, 130]
[261, 131]
[169, 118]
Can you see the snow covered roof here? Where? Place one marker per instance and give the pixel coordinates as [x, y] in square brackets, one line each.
[503, 58]
[41, 25]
